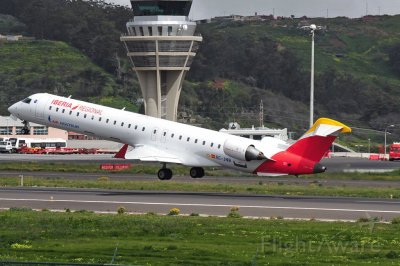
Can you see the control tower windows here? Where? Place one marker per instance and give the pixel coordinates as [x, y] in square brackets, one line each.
[159, 30]
[169, 30]
[141, 31]
[150, 31]
[161, 8]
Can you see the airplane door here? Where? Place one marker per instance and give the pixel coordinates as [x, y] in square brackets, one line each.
[154, 134]
[38, 105]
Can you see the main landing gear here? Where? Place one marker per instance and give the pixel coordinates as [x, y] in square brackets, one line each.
[197, 172]
[166, 173]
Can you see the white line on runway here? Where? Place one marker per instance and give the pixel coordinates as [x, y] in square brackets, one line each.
[201, 205]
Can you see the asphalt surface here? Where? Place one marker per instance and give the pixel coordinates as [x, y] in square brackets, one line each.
[339, 164]
[323, 208]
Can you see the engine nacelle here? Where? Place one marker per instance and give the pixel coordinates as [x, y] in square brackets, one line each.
[242, 151]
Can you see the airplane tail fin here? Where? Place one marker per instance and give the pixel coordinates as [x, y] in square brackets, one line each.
[314, 144]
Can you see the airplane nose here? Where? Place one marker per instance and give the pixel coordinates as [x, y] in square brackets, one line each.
[13, 109]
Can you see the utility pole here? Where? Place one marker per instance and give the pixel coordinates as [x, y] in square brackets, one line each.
[261, 114]
[313, 28]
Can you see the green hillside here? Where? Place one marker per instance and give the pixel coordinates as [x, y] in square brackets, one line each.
[29, 67]
[355, 81]
[357, 65]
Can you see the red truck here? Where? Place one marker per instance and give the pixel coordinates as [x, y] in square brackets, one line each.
[394, 152]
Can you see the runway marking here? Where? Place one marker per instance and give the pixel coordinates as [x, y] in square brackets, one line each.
[202, 205]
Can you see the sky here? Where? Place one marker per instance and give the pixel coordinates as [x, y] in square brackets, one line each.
[312, 8]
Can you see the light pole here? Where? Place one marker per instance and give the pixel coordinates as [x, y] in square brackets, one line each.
[7, 127]
[313, 28]
[386, 129]
[369, 145]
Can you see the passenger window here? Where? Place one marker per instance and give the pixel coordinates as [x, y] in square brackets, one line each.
[143, 129]
[212, 144]
[70, 112]
[204, 143]
[188, 139]
[155, 131]
[172, 136]
[136, 127]
[63, 111]
[219, 146]
[129, 126]
[35, 101]
[180, 137]
[85, 116]
[57, 109]
[165, 133]
[122, 124]
[99, 119]
[108, 120]
[115, 122]
[92, 117]
[77, 114]
[49, 107]
[196, 140]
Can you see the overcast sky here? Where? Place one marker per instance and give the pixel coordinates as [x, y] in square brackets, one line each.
[312, 8]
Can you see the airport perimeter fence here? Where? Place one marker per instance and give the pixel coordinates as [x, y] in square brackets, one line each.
[14, 263]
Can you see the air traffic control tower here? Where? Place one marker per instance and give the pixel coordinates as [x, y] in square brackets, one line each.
[162, 46]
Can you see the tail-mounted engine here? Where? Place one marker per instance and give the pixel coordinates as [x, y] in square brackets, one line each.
[242, 151]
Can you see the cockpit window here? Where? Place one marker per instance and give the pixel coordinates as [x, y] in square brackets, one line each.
[27, 100]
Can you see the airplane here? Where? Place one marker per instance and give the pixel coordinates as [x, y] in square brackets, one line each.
[150, 139]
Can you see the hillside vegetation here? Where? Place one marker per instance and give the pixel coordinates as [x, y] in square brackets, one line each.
[357, 65]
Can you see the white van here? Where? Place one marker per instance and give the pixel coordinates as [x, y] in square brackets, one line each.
[6, 146]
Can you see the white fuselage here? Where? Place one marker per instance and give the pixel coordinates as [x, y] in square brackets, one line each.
[193, 146]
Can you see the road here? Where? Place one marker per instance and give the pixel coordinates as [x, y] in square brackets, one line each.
[323, 208]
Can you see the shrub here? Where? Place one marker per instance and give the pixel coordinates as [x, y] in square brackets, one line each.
[174, 211]
[20, 209]
[234, 214]
[396, 220]
[234, 209]
[194, 214]
[103, 179]
[392, 255]
[67, 210]
[121, 210]
[172, 247]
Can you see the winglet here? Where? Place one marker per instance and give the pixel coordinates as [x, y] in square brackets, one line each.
[327, 121]
[122, 152]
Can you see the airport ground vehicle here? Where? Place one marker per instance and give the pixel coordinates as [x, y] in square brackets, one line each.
[6, 146]
[394, 152]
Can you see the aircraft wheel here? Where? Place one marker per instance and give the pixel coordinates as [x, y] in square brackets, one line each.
[164, 174]
[197, 172]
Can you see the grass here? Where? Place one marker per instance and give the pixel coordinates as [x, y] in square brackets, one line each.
[312, 189]
[174, 240]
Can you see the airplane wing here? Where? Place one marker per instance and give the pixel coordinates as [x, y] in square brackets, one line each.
[146, 154]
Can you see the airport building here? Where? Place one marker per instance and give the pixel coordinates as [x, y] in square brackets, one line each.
[14, 128]
[161, 44]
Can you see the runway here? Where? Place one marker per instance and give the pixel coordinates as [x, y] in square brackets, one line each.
[334, 165]
[324, 208]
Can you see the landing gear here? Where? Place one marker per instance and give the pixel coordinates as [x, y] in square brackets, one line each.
[164, 173]
[26, 129]
[197, 172]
